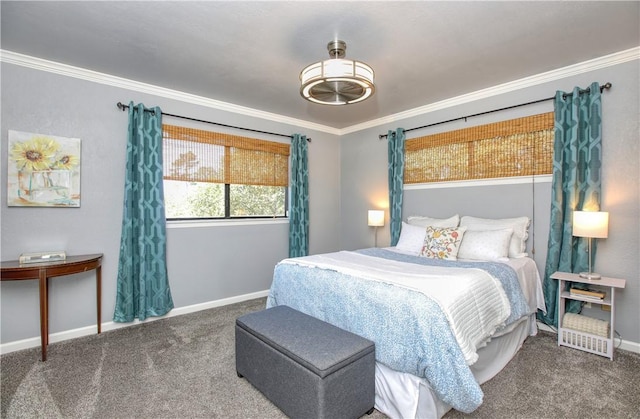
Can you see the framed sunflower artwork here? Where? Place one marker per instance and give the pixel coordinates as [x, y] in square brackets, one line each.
[43, 170]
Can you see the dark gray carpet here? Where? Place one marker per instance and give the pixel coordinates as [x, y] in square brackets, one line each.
[184, 367]
[545, 380]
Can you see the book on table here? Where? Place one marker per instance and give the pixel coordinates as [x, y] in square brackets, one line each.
[588, 293]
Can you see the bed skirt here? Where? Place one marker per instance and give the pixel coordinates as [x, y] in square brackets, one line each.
[403, 395]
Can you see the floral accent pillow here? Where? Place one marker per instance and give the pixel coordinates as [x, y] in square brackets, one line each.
[442, 243]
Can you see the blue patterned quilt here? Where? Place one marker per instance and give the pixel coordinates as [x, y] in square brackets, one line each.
[410, 330]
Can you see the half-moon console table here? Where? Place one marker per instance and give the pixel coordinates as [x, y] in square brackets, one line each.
[14, 270]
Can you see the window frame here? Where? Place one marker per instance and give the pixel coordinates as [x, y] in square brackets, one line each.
[246, 143]
[227, 210]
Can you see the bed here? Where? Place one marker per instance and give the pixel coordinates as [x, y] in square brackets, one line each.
[442, 326]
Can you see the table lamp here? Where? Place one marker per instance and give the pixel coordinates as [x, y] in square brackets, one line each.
[375, 219]
[593, 225]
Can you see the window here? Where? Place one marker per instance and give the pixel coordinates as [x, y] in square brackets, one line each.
[518, 147]
[214, 175]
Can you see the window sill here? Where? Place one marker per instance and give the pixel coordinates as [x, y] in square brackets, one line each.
[224, 223]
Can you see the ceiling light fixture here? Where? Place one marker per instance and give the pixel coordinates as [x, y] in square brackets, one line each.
[337, 81]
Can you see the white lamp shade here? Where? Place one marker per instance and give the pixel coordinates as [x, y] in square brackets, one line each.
[376, 218]
[337, 81]
[593, 224]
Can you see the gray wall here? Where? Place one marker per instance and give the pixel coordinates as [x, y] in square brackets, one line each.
[506, 201]
[364, 180]
[347, 177]
[205, 263]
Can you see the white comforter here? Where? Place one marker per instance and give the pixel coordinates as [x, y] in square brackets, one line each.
[472, 300]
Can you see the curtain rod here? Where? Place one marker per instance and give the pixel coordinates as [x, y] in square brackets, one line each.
[123, 107]
[602, 88]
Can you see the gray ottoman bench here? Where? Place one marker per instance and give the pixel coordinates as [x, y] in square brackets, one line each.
[305, 366]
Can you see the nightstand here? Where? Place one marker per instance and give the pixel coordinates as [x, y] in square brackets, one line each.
[579, 339]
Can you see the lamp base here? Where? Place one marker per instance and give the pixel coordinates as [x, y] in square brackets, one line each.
[590, 275]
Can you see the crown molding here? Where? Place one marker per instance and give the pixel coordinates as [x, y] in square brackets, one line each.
[558, 74]
[102, 78]
[35, 63]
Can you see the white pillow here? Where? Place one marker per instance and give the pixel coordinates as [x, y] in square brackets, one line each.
[485, 245]
[411, 238]
[434, 222]
[519, 225]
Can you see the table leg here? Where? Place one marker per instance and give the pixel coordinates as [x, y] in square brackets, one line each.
[560, 308]
[99, 294]
[44, 312]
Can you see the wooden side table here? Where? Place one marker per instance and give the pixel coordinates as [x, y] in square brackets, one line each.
[14, 270]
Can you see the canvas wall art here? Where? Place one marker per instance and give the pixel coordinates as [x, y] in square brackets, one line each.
[43, 170]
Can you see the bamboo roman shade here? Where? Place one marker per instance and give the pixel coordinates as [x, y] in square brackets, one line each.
[518, 147]
[194, 155]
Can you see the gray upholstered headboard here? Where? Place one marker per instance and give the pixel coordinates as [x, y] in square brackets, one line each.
[491, 201]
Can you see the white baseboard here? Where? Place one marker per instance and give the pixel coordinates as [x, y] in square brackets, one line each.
[626, 345]
[6, 348]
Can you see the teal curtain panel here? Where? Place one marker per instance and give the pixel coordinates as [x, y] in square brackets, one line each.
[577, 163]
[396, 181]
[299, 211]
[142, 284]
